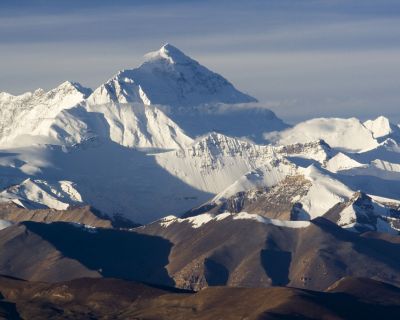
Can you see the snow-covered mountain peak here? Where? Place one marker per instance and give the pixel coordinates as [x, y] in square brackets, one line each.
[168, 77]
[69, 86]
[66, 94]
[317, 150]
[169, 53]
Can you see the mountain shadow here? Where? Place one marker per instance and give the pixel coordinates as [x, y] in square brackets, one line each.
[123, 181]
[276, 265]
[113, 253]
[8, 311]
[215, 273]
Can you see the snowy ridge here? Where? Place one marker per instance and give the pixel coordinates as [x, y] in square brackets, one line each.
[275, 222]
[266, 176]
[33, 194]
[200, 220]
[215, 161]
[139, 126]
[316, 150]
[214, 145]
[324, 192]
[33, 113]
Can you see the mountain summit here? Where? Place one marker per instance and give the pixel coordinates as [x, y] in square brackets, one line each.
[170, 53]
[168, 77]
[197, 99]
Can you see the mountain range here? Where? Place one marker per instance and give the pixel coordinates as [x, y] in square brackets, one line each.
[167, 174]
[171, 135]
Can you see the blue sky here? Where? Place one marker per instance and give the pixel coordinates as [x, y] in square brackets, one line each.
[300, 58]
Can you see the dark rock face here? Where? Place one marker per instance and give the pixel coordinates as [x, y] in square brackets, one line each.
[276, 264]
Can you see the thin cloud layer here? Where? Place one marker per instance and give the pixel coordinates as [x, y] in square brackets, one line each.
[302, 59]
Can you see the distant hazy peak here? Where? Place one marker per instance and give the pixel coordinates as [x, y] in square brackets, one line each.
[379, 127]
[215, 143]
[70, 85]
[65, 88]
[346, 134]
